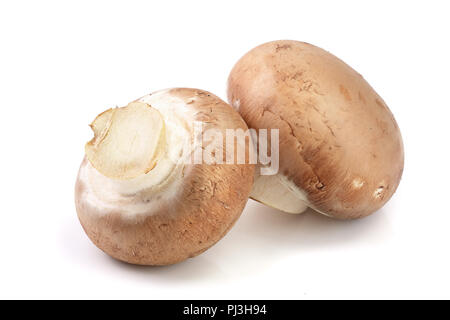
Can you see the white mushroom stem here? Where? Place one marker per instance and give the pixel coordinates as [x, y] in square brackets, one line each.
[146, 157]
[128, 141]
[278, 192]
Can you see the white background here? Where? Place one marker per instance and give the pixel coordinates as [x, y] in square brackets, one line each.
[62, 63]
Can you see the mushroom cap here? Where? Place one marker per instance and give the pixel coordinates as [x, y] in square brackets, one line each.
[339, 142]
[179, 218]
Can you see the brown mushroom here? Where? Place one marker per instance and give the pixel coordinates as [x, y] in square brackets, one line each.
[138, 197]
[340, 148]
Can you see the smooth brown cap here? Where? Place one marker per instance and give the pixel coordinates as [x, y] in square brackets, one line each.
[339, 142]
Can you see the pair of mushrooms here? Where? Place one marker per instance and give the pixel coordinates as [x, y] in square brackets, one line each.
[340, 153]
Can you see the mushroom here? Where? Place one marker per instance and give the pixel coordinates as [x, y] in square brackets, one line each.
[340, 148]
[141, 197]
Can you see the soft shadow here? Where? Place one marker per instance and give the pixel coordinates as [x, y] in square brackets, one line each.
[264, 235]
[261, 237]
[307, 230]
[191, 270]
[82, 253]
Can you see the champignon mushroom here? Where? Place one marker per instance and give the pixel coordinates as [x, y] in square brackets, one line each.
[340, 148]
[139, 196]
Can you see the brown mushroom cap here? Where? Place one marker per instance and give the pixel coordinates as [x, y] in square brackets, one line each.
[182, 216]
[339, 143]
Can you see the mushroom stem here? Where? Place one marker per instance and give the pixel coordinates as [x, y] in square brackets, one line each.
[128, 142]
[278, 192]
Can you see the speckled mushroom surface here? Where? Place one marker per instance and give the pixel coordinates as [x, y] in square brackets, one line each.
[341, 150]
[176, 210]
